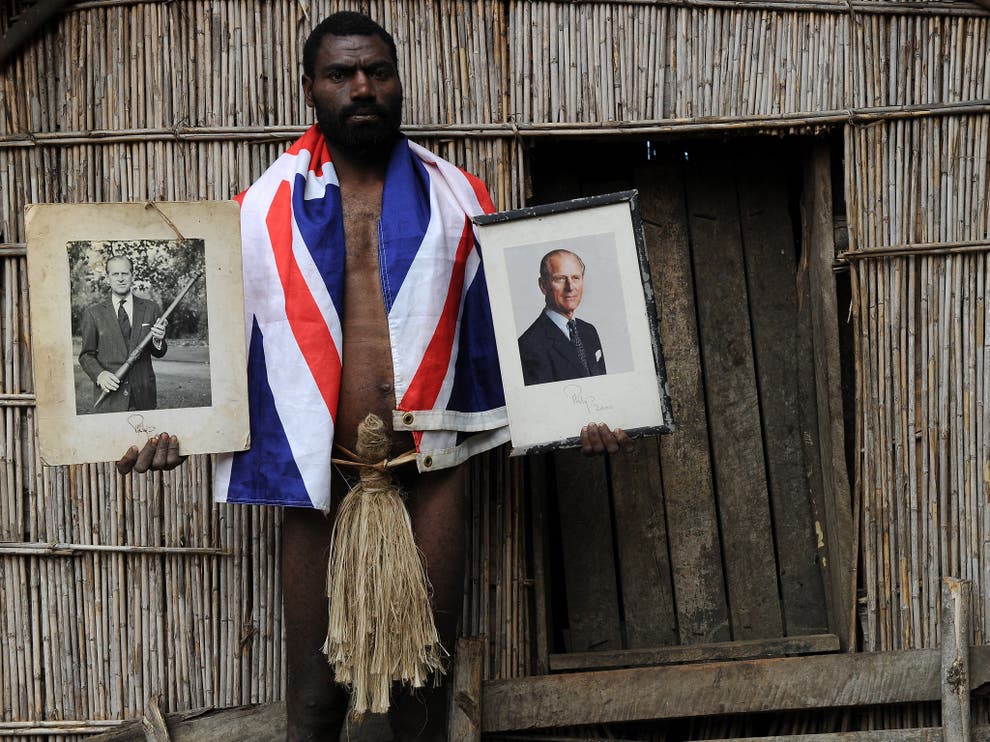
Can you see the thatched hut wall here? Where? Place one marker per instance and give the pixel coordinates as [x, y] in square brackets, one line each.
[191, 100]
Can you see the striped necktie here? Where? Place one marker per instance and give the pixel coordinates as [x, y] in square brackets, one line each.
[124, 321]
[578, 345]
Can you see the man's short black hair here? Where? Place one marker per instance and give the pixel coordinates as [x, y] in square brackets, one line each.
[344, 23]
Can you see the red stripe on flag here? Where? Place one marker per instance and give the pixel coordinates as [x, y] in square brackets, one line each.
[480, 192]
[307, 322]
[425, 387]
[313, 142]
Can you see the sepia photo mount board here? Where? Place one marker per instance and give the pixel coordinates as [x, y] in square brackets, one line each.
[583, 260]
[177, 260]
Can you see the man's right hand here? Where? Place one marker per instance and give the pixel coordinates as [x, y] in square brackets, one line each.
[598, 439]
[107, 381]
[160, 453]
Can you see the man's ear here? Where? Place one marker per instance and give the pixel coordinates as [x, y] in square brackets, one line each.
[307, 86]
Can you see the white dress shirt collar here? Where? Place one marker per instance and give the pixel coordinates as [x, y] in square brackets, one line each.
[559, 320]
[128, 305]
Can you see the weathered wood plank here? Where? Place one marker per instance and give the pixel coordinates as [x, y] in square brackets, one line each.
[808, 422]
[30, 22]
[539, 536]
[641, 532]
[713, 689]
[154, 723]
[838, 528]
[733, 406]
[695, 551]
[715, 652]
[771, 266]
[589, 559]
[263, 723]
[925, 734]
[260, 723]
[956, 599]
[465, 709]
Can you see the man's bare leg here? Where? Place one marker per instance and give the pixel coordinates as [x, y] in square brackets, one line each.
[316, 707]
[437, 506]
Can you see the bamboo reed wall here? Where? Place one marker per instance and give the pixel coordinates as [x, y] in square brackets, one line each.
[921, 197]
[192, 99]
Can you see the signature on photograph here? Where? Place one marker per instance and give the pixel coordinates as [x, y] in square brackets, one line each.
[137, 422]
[590, 402]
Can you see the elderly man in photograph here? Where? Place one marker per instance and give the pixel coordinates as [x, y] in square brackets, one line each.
[113, 327]
[558, 346]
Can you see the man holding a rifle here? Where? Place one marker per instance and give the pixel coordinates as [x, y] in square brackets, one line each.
[111, 329]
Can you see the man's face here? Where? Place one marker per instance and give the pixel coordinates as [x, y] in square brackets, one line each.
[356, 94]
[564, 285]
[119, 276]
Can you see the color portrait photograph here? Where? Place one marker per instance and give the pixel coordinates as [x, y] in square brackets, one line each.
[575, 320]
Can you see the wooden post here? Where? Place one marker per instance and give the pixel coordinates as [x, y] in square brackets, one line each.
[465, 707]
[955, 659]
[154, 723]
[833, 512]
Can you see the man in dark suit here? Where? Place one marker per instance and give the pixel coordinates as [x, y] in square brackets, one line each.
[111, 329]
[557, 346]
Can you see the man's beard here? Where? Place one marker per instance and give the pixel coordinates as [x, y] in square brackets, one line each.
[364, 140]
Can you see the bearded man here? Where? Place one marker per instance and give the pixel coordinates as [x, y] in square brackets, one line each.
[364, 292]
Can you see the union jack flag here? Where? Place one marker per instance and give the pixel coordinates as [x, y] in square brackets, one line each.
[446, 375]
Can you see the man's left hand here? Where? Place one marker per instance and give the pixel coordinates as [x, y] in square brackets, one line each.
[158, 331]
[597, 439]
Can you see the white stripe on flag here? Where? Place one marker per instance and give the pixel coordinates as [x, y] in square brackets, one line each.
[301, 409]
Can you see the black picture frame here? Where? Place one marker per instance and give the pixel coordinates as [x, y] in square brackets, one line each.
[622, 378]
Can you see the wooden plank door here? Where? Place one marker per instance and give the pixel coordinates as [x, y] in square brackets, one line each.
[707, 534]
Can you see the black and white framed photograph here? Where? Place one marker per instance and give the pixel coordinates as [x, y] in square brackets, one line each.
[138, 326]
[575, 320]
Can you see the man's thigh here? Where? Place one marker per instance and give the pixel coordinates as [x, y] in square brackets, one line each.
[438, 508]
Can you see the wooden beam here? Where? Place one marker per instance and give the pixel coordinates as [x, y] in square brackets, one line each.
[153, 723]
[834, 511]
[924, 734]
[716, 689]
[31, 20]
[244, 723]
[480, 130]
[681, 654]
[465, 711]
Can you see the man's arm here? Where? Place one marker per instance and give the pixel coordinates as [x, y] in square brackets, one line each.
[90, 344]
[158, 346]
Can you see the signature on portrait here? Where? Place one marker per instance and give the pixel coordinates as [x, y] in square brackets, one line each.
[589, 402]
[137, 422]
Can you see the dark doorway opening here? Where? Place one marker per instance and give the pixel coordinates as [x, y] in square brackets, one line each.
[708, 534]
